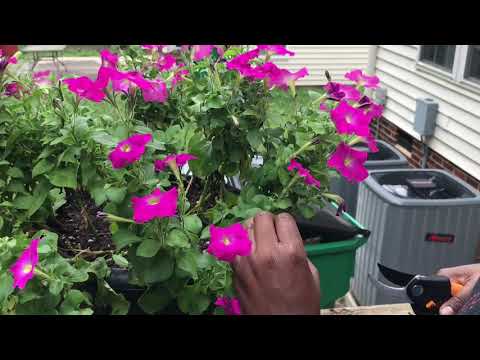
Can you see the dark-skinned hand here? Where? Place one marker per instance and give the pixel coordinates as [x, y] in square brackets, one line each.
[277, 278]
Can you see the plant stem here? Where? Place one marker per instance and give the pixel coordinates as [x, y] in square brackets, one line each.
[290, 184]
[302, 149]
[42, 274]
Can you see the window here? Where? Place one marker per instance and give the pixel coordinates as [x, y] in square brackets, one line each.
[441, 56]
[472, 66]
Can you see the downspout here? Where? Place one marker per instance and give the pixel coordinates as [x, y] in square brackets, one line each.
[371, 67]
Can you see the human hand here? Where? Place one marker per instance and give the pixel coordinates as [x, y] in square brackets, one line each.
[467, 276]
[277, 278]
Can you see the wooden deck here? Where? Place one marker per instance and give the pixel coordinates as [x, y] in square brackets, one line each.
[394, 309]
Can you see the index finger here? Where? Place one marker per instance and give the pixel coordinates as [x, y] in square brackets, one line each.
[265, 233]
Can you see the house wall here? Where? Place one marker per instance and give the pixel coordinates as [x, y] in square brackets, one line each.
[456, 141]
[337, 59]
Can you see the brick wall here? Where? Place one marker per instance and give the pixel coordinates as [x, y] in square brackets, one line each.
[388, 132]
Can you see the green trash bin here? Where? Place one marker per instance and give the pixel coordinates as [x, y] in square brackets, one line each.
[335, 262]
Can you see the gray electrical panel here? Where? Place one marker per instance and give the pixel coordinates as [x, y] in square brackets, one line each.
[425, 117]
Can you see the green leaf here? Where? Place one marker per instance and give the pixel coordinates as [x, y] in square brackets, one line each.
[215, 102]
[107, 296]
[116, 194]
[177, 238]
[154, 299]
[193, 224]
[40, 194]
[55, 286]
[192, 302]
[15, 173]
[205, 233]
[104, 139]
[99, 195]
[64, 177]
[283, 203]
[149, 248]
[159, 268]
[120, 260]
[48, 243]
[72, 302]
[16, 186]
[124, 237]
[23, 202]
[6, 286]
[254, 138]
[1, 226]
[42, 167]
[188, 263]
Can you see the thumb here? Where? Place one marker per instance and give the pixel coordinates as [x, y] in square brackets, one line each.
[455, 303]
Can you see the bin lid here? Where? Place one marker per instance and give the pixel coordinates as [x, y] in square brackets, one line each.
[421, 187]
[386, 155]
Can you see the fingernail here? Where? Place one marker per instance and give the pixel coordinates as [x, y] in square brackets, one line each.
[447, 310]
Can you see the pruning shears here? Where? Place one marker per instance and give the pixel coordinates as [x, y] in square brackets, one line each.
[425, 293]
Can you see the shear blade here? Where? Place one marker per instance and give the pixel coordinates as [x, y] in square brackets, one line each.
[395, 276]
[399, 293]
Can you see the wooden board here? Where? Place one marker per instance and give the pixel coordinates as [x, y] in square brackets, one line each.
[394, 309]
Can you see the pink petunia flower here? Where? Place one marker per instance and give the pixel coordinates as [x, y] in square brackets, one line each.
[166, 62]
[85, 88]
[41, 78]
[275, 49]
[23, 269]
[12, 89]
[349, 163]
[350, 120]
[281, 78]
[324, 107]
[152, 48]
[371, 143]
[156, 205]
[200, 52]
[228, 242]
[241, 63]
[231, 306]
[362, 79]
[179, 75]
[179, 160]
[109, 59]
[157, 92]
[13, 60]
[304, 173]
[338, 92]
[128, 151]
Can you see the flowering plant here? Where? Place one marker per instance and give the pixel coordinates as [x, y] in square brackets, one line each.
[162, 141]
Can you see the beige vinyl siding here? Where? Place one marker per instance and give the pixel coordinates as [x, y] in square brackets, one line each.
[337, 59]
[457, 133]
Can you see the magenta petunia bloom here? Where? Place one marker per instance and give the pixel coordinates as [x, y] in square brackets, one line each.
[156, 205]
[228, 242]
[41, 78]
[179, 75]
[12, 89]
[180, 160]
[151, 48]
[281, 78]
[85, 88]
[275, 49]
[304, 173]
[241, 63]
[349, 163]
[324, 107]
[157, 92]
[362, 79]
[350, 120]
[166, 62]
[23, 269]
[374, 110]
[13, 60]
[130, 150]
[109, 59]
[338, 92]
[371, 142]
[200, 52]
[231, 306]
